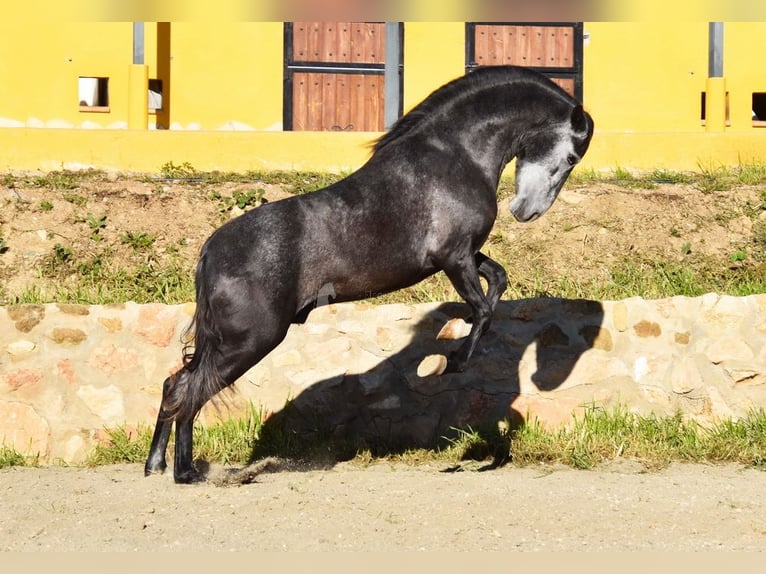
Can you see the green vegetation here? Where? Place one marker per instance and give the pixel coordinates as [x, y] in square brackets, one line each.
[601, 436]
[159, 274]
[598, 436]
[707, 179]
[10, 457]
[91, 275]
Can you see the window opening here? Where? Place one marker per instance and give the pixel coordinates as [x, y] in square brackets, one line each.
[93, 94]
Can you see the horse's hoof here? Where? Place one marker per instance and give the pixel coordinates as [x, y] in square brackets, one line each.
[432, 365]
[454, 329]
[152, 471]
[151, 468]
[188, 477]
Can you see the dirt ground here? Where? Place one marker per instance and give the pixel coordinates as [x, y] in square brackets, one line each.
[51, 234]
[387, 508]
[378, 507]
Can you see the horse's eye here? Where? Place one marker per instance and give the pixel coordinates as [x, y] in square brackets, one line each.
[571, 159]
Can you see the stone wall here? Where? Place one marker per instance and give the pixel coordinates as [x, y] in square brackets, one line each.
[69, 371]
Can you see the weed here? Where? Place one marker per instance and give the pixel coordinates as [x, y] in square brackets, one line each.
[59, 180]
[138, 241]
[184, 171]
[96, 224]
[46, 205]
[738, 256]
[249, 198]
[665, 176]
[75, 199]
[751, 173]
[9, 456]
[713, 179]
[58, 262]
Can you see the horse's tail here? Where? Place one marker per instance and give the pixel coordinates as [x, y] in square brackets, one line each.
[199, 380]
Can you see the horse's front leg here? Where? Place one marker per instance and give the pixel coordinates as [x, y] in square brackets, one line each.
[464, 274]
[497, 280]
[497, 283]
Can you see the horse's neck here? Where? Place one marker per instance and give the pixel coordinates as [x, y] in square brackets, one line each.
[491, 142]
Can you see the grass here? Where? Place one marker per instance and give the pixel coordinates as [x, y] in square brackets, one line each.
[10, 457]
[602, 436]
[230, 442]
[598, 436]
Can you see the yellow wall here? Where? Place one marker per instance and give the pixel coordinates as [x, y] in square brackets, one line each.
[434, 53]
[40, 64]
[227, 75]
[645, 77]
[642, 84]
[744, 45]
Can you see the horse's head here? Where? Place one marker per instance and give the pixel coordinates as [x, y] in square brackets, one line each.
[545, 160]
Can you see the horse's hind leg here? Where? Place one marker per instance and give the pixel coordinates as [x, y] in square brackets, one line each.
[183, 465]
[233, 361]
[155, 462]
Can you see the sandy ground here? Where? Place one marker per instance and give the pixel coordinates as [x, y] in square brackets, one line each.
[380, 507]
[384, 507]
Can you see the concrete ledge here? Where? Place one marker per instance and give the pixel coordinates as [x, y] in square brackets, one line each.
[67, 371]
[145, 151]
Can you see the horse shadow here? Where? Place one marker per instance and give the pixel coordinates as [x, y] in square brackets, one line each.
[532, 347]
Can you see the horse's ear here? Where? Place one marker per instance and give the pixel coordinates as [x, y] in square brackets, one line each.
[579, 122]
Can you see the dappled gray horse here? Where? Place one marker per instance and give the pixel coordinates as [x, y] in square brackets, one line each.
[424, 202]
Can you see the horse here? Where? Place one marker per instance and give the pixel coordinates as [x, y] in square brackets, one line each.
[425, 201]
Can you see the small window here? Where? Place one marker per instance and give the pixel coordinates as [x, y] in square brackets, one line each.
[759, 109]
[155, 95]
[93, 94]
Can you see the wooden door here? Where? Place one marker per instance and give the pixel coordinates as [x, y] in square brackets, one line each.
[552, 48]
[334, 76]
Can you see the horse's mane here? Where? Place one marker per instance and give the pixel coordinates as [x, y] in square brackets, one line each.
[479, 79]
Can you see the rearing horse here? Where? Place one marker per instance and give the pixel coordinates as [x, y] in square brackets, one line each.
[424, 202]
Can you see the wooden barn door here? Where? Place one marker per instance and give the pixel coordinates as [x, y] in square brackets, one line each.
[335, 76]
[553, 48]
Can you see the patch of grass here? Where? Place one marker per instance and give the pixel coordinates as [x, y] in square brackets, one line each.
[9, 457]
[96, 223]
[184, 171]
[95, 278]
[123, 445]
[295, 182]
[629, 276]
[751, 173]
[230, 441]
[75, 199]
[596, 437]
[138, 240]
[708, 178]
[60, 180]
[668, 176]
[600, 436]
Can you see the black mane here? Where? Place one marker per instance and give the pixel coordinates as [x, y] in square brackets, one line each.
[479, 79]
